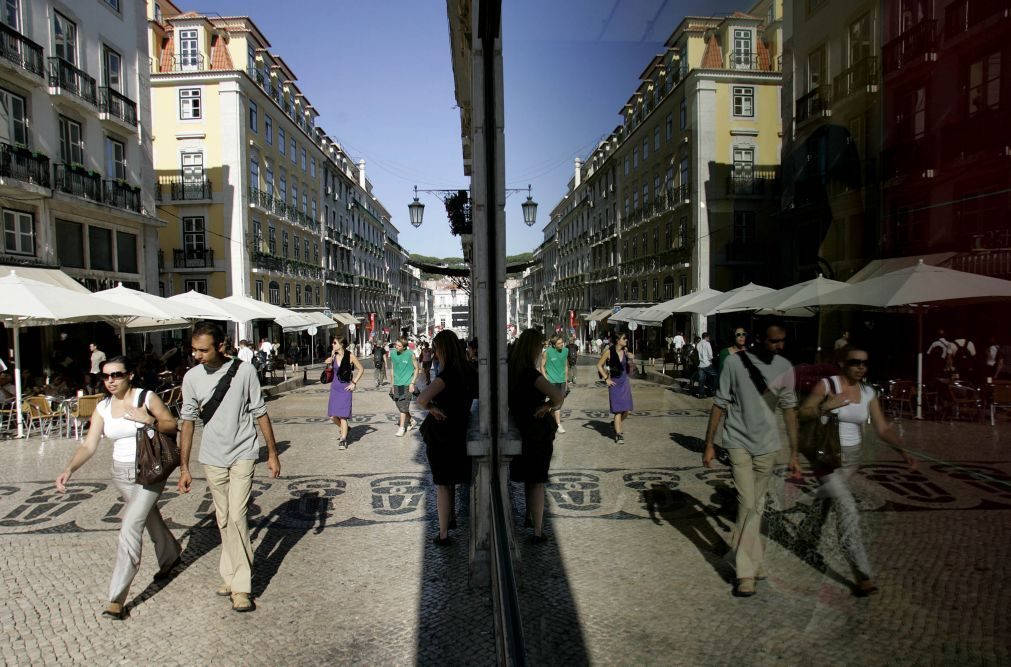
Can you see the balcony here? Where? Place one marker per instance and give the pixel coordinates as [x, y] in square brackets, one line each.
[24, 55]
[183, 189]
[985, 134]
[862, 77]
[77, 181]
[815, 104]
[962, 16]
[114, 105]
[65, 78]
[916, 45]
[121, 194]
[24, 165]
[188, 63]
[747, 61]
[755, 182]
[192, 258]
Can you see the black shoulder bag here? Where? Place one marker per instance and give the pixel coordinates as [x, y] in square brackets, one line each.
[210, 407]
[157, 452]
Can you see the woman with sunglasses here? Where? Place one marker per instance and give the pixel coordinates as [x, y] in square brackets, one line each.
[614, 367]
[853, 402]
[118, 417]
[740, 343]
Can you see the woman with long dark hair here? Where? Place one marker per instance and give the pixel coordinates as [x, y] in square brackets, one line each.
[613, 368]
[448, 400]
[347, 370]
[118, 417]
[531, 400]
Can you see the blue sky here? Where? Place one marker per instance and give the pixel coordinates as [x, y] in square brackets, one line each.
[381, 76]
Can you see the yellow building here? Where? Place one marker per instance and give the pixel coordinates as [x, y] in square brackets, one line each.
[257, 199]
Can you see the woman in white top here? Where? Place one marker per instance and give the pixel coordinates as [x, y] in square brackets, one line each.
[854, 404]
[118, 417]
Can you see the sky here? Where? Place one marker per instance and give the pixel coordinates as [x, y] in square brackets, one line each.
[381, 76]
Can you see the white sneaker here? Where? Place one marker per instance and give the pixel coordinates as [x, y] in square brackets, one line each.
[401, 431]
[561, 429]
[412, 424]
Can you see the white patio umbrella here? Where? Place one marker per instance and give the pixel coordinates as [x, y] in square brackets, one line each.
[917, 287]
[727, 302]
[204, 306]
[288, 319]
[787, 299]
[162, 314]
[681, 304]
[29, 303]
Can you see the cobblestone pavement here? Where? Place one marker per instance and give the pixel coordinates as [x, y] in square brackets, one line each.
[346, 573]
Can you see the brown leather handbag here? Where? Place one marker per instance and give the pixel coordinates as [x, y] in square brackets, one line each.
[157, 452]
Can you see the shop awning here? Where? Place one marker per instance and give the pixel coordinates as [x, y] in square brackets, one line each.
[599, 315]
[345, 318]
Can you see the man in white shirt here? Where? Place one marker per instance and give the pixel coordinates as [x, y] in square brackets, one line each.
[97, 357]
[706, 376]
[245, 351]
[679, 343]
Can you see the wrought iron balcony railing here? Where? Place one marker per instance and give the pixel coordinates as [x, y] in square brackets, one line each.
[963, 15]
[917, 44]
[23, 52]
[862, 76]
[115, 103]
[24, 165]
[750, 61]
[814, 104]
[65, 76]
[121, 195]
[754, 182]
[192, 258]
[181, 188]
[193, 62]
[77, 181]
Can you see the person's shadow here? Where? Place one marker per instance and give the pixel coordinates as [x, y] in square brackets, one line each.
[689, 442]
[359, 431]
[282, 446]
[603, 428]
[691, 517]
[285, 526]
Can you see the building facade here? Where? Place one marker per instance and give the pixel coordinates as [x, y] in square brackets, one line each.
[75, 142]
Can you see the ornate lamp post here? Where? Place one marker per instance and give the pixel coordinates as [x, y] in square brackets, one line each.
[458, 206]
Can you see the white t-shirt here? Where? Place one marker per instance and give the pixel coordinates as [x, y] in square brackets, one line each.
[266, 347]
[122, 431]
[705, 354]
[679, 342]
[852, 417]
[246, 354]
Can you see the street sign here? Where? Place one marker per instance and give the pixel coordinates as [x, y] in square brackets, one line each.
[351, 329]
[632, 325]
[311, 331]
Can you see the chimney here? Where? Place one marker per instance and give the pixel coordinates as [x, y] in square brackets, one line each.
[575, 180]
[361, 173]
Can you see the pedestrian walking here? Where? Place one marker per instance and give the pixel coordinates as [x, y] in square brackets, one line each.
[740, 343]
[117, 418]
[245, 351]
[403, 375]
[426, 362]
[448, 400]
[225, 395]
[573, 348]
[347, 372]
[379, 361]
[97, 357]
[852, 402]
[613, 368]
[554, 365]
[706, 375]
[531, 400]
[751, 382]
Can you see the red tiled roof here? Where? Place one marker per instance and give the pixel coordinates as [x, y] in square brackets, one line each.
[220, 58]
[764, 59]
[713, 57]
[167, 53]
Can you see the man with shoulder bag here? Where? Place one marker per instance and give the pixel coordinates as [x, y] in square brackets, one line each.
[751, 386]
[225, 394]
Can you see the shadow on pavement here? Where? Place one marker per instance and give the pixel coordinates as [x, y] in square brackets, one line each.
[204, 537]
[691, 517]
[689, 442]
[358, 432]
[285, 526]
[600, 427]
[282, 446]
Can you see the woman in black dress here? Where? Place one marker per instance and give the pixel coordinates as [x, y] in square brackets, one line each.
[448, 399]
[531, 400]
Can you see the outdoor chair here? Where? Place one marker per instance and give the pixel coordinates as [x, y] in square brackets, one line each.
[901, 395]
[8, 414]
[1000, 399]
[81, 413]
[38, 412]
[964, 397]
[172, 398]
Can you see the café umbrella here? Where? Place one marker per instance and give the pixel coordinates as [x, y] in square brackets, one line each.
[160, 313]
[29, 303]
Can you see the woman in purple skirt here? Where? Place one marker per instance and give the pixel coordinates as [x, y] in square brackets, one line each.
[347, 371]
[613, 368]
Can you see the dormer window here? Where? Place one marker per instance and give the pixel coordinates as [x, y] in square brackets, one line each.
[743, 49]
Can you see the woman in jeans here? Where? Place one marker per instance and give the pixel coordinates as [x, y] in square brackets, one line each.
[118, 417]
[852, 402]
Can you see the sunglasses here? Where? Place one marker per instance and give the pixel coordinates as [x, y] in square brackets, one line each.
[740, 334]
[854, 363]
[115, 375]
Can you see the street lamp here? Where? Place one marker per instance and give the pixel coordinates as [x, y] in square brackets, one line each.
[416, 210]
[529, 209]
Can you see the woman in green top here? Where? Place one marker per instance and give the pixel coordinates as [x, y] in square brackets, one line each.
[740, 343]
[554, 365]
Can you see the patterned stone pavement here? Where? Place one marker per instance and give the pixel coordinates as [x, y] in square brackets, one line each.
[346, 573]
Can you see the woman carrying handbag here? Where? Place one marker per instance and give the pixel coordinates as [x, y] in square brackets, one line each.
[117, 418]
[347, 371]
[851, 402]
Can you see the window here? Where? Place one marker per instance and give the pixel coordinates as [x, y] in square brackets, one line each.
[257, 235]
[305, 205]
[315, 256]
[645, 192]
[912, 114]
[284, 243]
[668, 234]
[742, 49]
[685, 174]
[308, 295]
[195, 235]
[112, 69]
[65, 38]
[656, 138]
[298, 252]
[668, 287]
[682, 285]
[189, 104]
[250, 57]
[294, 151]
[984, 84]
[645, 148]
[13, 119]
[193, 173]
[115, 159]
[258, 290]
[268, 128]
[682, 115]
[196, 285]
[268, 179]
[744, 101]
[626, 165]
[294, 195]
[312, 167]
[683, 232]
[744, 226]
[298, 296]
[275, 293]
[9, 14]
[283, 189]
[744, 163]
[315, 210]
[254, 125]
[280, 140]
[303, 161]
[126, 252]
[100, 248]
[70, 243]
[287, 294]
[189, 50]
[271, 239]
[861, 39]
[656, 289]
[71, 146]
[113, 3]
[635, 158]
[307, 251]
[19, 233]
[816, 68]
